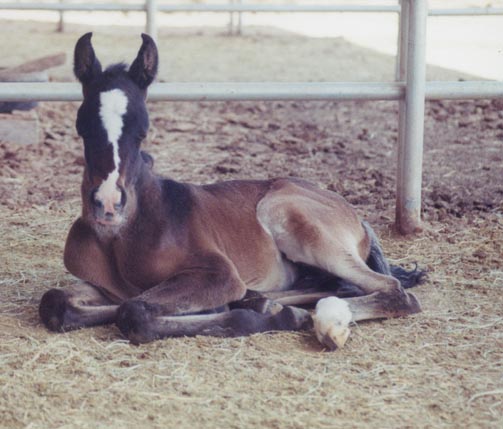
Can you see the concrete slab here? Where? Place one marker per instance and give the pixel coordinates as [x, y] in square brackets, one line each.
[19, 127]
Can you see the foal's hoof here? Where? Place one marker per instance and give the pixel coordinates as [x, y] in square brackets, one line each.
[399, 303]
[52, 309]
[403, 304]
[135, 321]
[413, 304]
[331, 322]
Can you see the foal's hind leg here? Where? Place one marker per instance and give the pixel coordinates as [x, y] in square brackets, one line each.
[333, 315]
[78, 306]
[347, 264]
[318, 232]
[311, 229]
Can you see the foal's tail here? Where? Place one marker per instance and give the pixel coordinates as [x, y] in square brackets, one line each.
[408, 278]
[378, 263]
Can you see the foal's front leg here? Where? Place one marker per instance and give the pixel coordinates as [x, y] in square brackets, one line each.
[141, 323]
[79, 306]
[210, 284]
[167, 310]
[84, 304]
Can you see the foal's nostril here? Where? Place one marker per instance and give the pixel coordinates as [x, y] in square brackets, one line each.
[123, 196]
[120, 205]
[105, 202]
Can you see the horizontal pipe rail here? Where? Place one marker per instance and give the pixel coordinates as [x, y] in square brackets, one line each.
[441, 90]
[198, 7]
[170, 8]
[275, 8]
[216, 91]
[274, 91]
[471, 11]
[89, 7]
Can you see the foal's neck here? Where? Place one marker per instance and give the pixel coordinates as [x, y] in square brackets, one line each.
[158, 197]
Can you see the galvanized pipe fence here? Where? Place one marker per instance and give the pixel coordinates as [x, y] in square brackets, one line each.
[266, 91]
[411, 89]
[151, 7]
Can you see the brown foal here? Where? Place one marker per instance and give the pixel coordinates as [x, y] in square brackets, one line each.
[162, 258]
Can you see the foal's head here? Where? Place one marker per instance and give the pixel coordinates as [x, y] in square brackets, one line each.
[112, 121]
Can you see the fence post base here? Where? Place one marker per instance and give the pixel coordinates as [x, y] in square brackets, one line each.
[411, 115]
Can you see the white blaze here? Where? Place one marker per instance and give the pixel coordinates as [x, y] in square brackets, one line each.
[113, 105]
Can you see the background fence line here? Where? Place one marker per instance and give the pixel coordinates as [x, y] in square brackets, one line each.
[240, 7]
[151, 7]
[411, 88]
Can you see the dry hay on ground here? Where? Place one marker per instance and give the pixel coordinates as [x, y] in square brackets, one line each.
[440, 368]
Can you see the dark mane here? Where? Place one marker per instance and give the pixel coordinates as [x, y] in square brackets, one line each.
[116, 69]
[115, 75]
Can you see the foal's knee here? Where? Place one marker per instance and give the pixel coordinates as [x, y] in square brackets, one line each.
[53, 309]
[135, 321]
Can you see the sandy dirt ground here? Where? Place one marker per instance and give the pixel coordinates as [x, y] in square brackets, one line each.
[442, 368]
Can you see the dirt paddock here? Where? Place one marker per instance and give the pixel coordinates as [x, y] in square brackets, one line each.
[441, 368]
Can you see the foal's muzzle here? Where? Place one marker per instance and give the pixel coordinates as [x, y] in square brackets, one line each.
[108, 206]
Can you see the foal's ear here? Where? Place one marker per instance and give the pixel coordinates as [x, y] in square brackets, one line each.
[85, 64]
[144, 67]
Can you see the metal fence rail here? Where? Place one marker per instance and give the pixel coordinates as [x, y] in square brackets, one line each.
[269, 91]
[151, 7]
[411, 88]
[199, 7]
[254, 8]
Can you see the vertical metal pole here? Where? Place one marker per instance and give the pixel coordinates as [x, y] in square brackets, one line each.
[410, 149]
[401, 40]
[401, 76]
[61, 23]
[231, 20]
[151, 10]
[240, 21]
